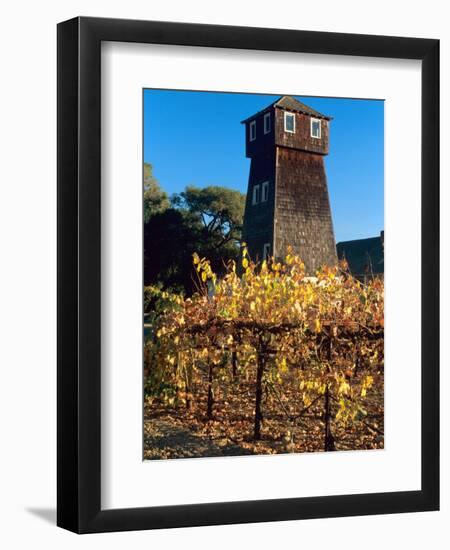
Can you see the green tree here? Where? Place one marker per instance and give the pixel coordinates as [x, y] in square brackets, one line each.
[221, 211]
[207, 221]
[170, 239]
[155, 199]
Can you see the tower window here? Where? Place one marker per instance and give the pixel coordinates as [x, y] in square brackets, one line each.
[267, 123]
[289, 122]
[316, 128]
[264, 191]
[255, 194]
[266, 251]
[253, 130]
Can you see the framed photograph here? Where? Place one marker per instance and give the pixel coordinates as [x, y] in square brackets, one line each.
[248, 275]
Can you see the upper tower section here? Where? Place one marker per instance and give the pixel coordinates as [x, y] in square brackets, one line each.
[286, 123]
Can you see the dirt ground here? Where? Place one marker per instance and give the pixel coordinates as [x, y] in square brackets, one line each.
[181, 433]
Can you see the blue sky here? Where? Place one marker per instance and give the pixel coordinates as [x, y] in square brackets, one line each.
[196, 138]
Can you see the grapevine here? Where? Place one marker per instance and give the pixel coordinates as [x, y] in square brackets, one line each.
[287, 345]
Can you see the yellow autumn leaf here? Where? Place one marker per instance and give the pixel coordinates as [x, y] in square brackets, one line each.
[344, 387]
[283, 365]
[318, 325]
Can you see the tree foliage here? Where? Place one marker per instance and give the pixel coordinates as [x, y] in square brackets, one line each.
[207, 220]
[170, 238]
[220, 209]
[155, 199]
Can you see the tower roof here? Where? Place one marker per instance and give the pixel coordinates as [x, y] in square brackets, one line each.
[289, 103]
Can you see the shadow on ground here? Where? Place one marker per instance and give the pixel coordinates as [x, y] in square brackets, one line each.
[163, 440]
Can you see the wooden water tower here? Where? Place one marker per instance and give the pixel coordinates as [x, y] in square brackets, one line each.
[287, 197]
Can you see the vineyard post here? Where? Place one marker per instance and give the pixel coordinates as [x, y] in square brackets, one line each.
[188, 380]
[357, 360]
[329, 439]
[234, 355]
[259, 376]
[234, 363]
[209, 407]
[188, 399]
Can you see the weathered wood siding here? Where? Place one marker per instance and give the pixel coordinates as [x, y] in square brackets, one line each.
[302, 138]
[263, 142]
[302, 211]
[297, 212]
[259, 218]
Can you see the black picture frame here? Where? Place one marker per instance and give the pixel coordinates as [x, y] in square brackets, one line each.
[79, 280]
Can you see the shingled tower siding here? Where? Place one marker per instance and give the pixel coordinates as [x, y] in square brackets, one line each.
[297, 210]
